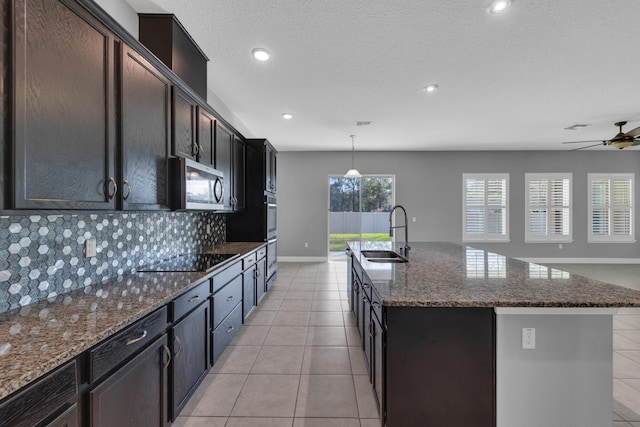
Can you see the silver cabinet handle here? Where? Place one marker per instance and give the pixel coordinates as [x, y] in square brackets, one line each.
[125, 183]
[229, 329]
[177, 339]
[112, 180]
[365, 285]
[168, 353]
[135, 340]
[230, 297]
[375, 305]
[194, 298]
[195, 149]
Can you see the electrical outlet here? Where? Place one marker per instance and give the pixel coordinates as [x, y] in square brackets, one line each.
[529, 338]
[90, 248]
[413, 219]
[559, 245]
[306, 244]
[208, 228]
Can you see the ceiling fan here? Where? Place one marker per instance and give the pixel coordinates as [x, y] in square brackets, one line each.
[621, 140]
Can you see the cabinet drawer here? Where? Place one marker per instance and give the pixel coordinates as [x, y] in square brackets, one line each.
[224, 333]
[225, 276]
[262, 252]
[189, 300]
[119, 347]
[226, 299]
[41, 399]
[376, 305]
[249, 260]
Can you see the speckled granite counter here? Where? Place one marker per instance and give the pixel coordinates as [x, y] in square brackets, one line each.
[444, 274]
[40, 337]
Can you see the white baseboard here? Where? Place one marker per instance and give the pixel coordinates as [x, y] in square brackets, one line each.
[581, 260]
[303, 259]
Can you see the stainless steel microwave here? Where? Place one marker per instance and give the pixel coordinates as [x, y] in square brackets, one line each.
[195, 186]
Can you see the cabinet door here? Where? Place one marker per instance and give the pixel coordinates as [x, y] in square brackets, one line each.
[223, 162]
[270, 169]
[206, 134]
[238, 174]
[68, 418]
[261, 275]
[64, 118]
[377, 360]
[183, 143]
[249, 290]
[367, 332]
[190, 356]
[136, 395]
[145, 102]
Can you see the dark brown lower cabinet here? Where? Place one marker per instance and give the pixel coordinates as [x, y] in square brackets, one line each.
[249, 290]
[377, 358]
[68, 418]
[42, 399]
[261, 271]
[190, 364]
[136, 394]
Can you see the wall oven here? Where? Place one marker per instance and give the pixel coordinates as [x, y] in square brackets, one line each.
[195, 186]
[272, 214]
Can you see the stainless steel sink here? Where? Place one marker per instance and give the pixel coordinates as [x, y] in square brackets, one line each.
[384, 256]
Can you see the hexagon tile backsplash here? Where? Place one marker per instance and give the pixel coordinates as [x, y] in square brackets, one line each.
[42, 256]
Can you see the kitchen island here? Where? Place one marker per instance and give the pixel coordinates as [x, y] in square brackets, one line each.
[443, 335]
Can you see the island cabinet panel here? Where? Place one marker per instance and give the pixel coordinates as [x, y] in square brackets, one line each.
[69, 418]
[136, 394]
[145, 102]
[439, 367]
[64, 108]
[190, 362]
[42, 399]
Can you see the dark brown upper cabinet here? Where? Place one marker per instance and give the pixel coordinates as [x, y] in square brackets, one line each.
[163, 35]
[229, 158]
[145, 103]
[238, 173]
[206, 130]
[183, 109]
[64, 108]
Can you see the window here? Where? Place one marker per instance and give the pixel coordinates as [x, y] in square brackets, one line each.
[485, 212]
[548, 207]
[611, 207]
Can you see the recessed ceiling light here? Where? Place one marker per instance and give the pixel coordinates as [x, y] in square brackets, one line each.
[261, 54]
[498, 6]
[431, 88]
[287, 116]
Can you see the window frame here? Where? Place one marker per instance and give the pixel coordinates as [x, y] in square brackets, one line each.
[485, 237]
[611, 238]
[528, 237]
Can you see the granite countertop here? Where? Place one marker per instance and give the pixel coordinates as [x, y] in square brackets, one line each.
[38, 338]
[442, 274]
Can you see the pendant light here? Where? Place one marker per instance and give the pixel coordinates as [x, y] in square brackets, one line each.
[353, 172]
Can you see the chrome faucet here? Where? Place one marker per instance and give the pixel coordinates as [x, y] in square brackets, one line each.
[404, 250]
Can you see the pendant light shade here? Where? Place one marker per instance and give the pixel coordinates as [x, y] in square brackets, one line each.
[353, 172]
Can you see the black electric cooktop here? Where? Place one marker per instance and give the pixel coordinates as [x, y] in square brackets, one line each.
[190, 262]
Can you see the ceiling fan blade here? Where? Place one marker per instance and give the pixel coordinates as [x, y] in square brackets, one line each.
[633, 132]
[588, 146]
[583, 142]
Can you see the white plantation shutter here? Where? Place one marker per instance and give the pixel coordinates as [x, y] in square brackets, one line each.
[611, 208]
[485, 201]
[548, 207]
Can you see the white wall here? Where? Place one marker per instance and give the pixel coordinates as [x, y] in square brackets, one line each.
[429, 185]
[122, 13]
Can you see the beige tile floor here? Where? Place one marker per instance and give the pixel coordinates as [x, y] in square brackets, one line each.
[297, 361]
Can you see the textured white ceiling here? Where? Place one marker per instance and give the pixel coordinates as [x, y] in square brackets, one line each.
[507, 82]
